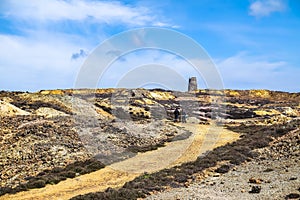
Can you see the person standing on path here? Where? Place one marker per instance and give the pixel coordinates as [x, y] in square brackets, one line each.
[176, 115]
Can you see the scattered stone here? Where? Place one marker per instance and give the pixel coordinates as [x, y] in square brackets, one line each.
[255, 189]
[255, 180]
[292, 196]
[268, 170]
[293, 178]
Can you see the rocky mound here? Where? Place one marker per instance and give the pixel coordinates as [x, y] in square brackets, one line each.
[285, 147]
[49, 112]
[32, 144]
[7, 109]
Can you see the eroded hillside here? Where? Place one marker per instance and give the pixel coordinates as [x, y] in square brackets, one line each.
[49, 131]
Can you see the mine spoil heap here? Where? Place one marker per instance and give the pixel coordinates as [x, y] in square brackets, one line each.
[55, 128]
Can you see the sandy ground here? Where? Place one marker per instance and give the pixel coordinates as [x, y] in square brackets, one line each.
[204, 137]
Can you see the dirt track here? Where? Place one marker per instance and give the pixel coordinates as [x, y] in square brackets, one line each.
[204, 138]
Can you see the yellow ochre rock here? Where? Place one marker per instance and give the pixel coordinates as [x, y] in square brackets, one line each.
[259, 93]
[52, 92]
[232, 93]
[267, 112]
[158, 95]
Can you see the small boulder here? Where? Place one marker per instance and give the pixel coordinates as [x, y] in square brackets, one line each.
[255, 180]
[255, 189]
[292, 196]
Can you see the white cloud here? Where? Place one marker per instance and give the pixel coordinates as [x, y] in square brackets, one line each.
[248, 72]
[107, 12]
[261, 8]
[24, 51]
[49, 33]
[31, 64]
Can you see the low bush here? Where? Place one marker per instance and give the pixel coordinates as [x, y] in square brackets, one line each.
[36, 184]
[55, 175]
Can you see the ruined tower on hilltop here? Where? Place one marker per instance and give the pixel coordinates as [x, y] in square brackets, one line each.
[192, 84]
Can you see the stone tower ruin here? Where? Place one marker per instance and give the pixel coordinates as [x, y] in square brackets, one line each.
[192, 84]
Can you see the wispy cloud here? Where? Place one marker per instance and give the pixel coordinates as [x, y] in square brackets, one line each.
[262, 8]
[54, 36]
[247, 72]
[108, 12]
[28, 63]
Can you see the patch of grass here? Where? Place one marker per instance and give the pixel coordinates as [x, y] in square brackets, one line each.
[146, 175]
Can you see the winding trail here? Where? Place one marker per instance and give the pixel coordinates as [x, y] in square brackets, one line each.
[204, 138]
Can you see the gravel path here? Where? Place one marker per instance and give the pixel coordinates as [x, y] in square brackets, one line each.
[276, 184]
[275, 174]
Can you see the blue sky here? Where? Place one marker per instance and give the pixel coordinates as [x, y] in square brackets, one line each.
[253, 43]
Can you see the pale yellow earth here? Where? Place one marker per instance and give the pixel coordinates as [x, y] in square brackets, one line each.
[204, 137]
[7, 109]
[268, 112]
